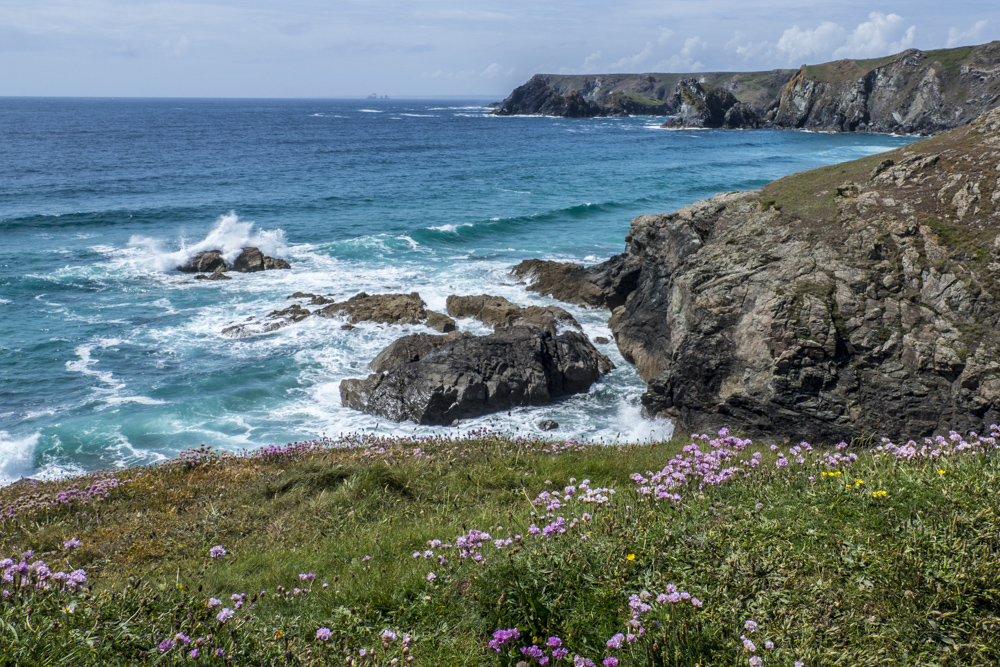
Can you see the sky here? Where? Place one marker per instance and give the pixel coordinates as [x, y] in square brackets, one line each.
[433, 48]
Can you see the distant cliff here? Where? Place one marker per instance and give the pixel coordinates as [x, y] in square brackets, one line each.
[919, 92]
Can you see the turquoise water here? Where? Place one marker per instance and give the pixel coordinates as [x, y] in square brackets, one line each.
[109, 357]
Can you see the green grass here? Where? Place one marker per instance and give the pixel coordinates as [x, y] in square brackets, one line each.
[880, 560]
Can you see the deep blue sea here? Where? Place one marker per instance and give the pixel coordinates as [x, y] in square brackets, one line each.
[109, 357]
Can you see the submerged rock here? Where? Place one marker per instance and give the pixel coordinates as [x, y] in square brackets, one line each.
[548, 425]
[437, 381]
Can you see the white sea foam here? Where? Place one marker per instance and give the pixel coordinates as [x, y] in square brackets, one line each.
[450, 228]
[418, 115]
[4, 301]
[16, 456]
[229, 234]
[370, 110]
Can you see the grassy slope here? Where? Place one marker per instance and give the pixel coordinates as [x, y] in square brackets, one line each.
[833, 571]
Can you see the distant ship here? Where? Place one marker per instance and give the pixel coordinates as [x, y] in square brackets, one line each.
[374, 96]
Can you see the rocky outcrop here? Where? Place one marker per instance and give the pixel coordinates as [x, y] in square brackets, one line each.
[388, 309]
[910, 92]
[362, 307]
[715, 107]
[862, 298]
[438, 379]
[603, 285]
[249, 260]
[498, 312]
[538, 98]
[208, 261]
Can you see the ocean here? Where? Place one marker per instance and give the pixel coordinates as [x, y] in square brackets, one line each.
[109, 357]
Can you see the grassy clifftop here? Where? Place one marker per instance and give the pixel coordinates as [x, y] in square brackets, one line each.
[493, 550]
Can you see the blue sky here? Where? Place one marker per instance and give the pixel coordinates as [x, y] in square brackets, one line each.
[350, 48]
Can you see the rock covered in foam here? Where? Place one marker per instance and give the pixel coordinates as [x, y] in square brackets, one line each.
[249, 260]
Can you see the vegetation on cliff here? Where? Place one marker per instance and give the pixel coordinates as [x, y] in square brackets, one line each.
[496, 550]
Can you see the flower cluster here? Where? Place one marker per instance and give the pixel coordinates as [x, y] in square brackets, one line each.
[23, 578]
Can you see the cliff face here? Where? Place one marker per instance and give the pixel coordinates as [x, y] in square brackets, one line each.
[857, 298]
[911, 92]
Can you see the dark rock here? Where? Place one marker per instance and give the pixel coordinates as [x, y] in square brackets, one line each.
[347, 327]
[548, 425]
[498, 312]
[205, 262]
[470, 376]
[411, 348]
[388, 309]
[601, 340]
[251, 260]
[603, 285]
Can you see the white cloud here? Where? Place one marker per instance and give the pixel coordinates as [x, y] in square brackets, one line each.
[971, 36]
[797, 45]
[176, 47]
[495, 70]
[881, 35]
[633, 62]
[592, 60]
[665, 34]
[685, 60]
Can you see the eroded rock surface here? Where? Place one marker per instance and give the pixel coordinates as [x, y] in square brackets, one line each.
[498, 312]
[436, 381]
[855, 299]
[388, 309]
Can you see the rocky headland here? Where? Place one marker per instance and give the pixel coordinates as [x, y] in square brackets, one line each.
[913, 92]
[861, 298]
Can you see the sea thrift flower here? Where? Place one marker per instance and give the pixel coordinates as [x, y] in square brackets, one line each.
[768, 644]
[213, 603]
[610, 661]
[72, 543]
[750, 626]
[323, 634]
[193, 654]
[431, 576]
[616, 641]
[224, 615]
[217, 551]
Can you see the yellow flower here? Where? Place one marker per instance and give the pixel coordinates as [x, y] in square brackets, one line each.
[630, 557]
[940, 472]
[279, 634]
[857, 482]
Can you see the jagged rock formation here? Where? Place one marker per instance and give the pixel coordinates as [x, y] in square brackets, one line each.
[249, 260]
[498, 312]
[362, 307]
[438, 379]
[910, 92]
[861, 298]
[715, 107]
